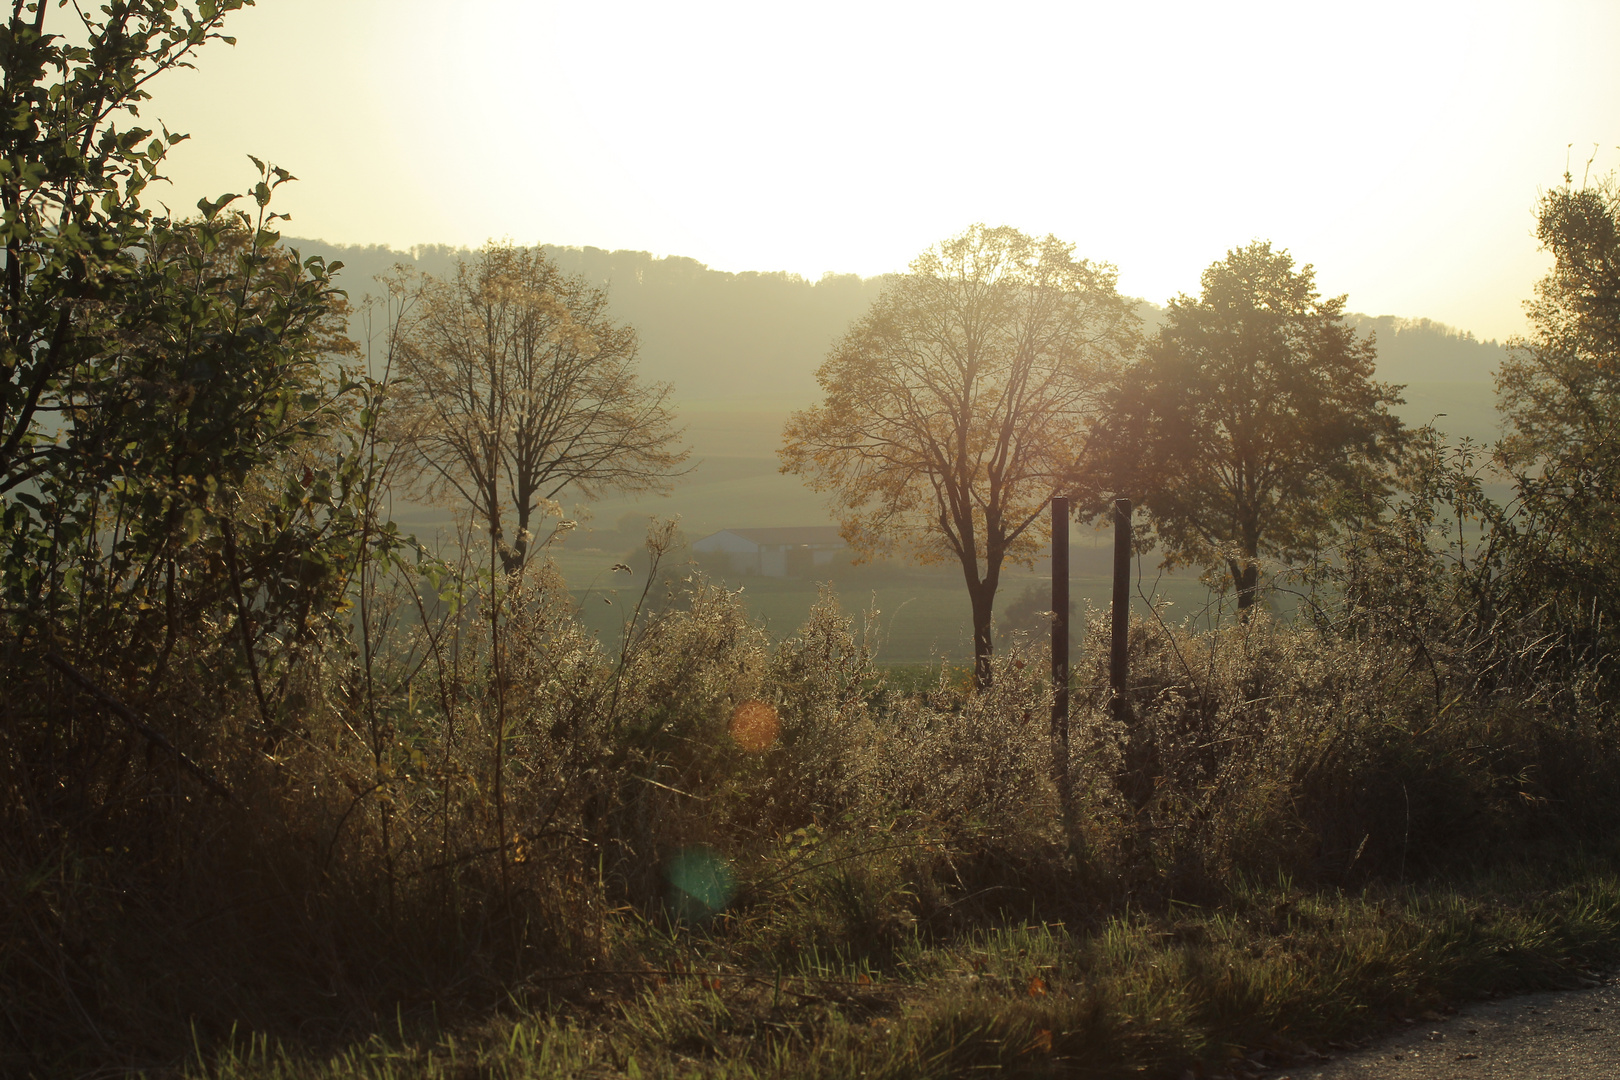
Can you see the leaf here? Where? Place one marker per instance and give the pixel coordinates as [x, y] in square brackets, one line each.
[1037, 986]
[193, 522]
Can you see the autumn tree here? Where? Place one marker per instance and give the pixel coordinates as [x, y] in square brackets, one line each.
[955, 407]
[1253, 425]
[1559, 391]
[519, 385]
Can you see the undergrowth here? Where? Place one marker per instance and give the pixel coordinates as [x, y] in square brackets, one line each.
[471, 841]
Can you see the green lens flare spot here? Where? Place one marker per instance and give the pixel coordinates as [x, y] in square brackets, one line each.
[700, 883]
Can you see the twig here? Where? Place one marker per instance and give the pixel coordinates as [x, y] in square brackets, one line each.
[128, 715]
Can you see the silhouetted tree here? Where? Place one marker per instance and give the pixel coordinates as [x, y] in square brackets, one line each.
[518, 385]
[71, 85]
[955, 408]
[1560, 393]
[1253, 425]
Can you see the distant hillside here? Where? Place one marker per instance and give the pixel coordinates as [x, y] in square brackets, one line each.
[719, 337]
[1420, 350]
[1447, 375]
[754, 340]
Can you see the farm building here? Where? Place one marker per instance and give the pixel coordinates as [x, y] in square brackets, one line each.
[790, 552]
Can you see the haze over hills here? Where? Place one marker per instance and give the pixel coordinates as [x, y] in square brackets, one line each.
[757, 338]
[752, 339]
[741, 351]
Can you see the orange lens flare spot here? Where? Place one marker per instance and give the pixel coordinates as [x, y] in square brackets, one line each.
[754, 726]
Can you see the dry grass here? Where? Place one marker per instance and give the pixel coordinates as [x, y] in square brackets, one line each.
[465, 808]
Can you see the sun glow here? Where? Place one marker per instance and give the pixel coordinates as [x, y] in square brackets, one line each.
[1397, 147]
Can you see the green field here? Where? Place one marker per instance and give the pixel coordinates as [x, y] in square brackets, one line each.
[922, 613]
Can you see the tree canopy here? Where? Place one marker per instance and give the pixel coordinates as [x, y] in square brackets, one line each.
[1559, 391]
[518, 385]
[153, 367]
[1253, 425]
[955, 408]
[74, 166]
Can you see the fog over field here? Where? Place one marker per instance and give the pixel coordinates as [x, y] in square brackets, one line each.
[741, 350]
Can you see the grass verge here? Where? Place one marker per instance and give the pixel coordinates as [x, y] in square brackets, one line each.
[1273, 975]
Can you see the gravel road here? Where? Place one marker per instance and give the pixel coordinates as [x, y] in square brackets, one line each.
[1572, 1035]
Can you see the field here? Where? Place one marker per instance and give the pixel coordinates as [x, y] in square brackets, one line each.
[734, 482]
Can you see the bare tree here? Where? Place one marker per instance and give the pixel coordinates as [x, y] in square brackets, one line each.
[519, 385]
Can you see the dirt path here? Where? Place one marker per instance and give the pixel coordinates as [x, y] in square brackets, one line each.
[1572, 1035]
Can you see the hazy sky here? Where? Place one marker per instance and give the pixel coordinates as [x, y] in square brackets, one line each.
[1399, 147]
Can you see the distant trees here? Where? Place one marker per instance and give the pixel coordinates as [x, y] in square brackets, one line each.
[518, 385]
[955, 408]
[1253, 425]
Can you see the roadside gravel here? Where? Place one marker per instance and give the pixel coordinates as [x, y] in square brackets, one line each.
[1569, 1035]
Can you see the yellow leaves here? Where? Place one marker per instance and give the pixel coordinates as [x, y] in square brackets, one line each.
[193, 523]
[958, 405]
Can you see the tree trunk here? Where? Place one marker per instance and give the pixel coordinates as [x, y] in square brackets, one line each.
[1246, 576]
[514, 554]
[983, 595]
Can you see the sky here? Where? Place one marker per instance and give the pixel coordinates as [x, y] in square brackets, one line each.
[1398, 147]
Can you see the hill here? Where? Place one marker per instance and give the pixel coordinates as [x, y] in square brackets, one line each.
[755, 339]
[727, 339]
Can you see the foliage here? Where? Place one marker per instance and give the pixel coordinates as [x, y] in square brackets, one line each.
[517, 386]
[1269, 981]
[154, 366]
[70, 190]
[953, 408]
[482, 799]
[1559, 391]
[157, 498]
[1253, 426]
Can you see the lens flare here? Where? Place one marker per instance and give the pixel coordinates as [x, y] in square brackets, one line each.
[700, 883]
[754, 726]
